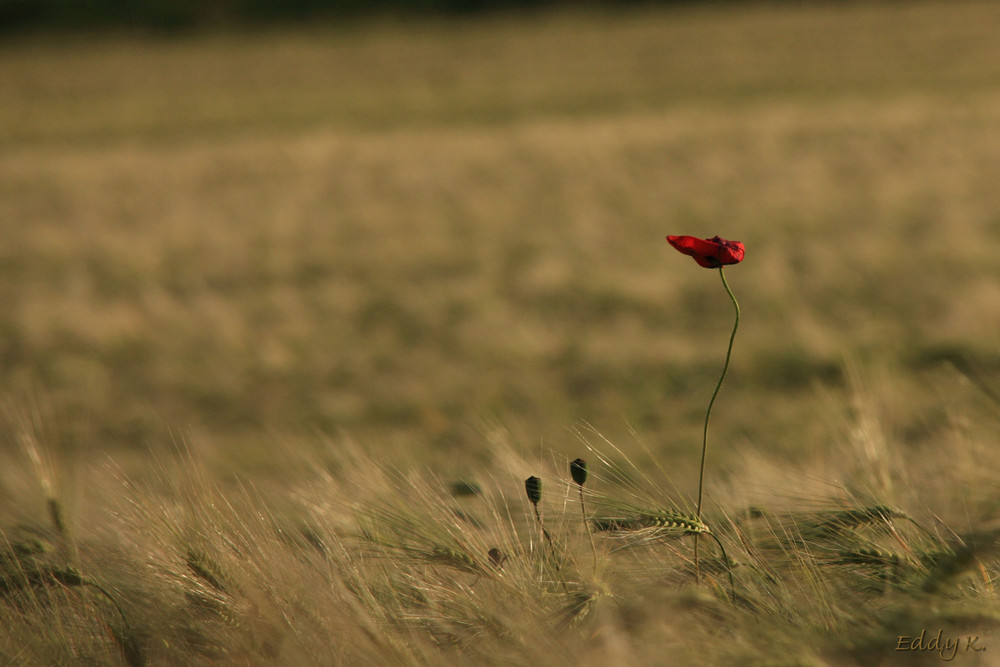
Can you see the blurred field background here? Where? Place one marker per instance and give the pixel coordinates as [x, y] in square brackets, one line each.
[412, 233]
[401, 231]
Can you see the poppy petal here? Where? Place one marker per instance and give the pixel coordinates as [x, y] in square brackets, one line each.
[709, 253]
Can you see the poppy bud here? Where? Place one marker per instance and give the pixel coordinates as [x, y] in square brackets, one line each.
[533, 487]
[578, 470]
[497, 557]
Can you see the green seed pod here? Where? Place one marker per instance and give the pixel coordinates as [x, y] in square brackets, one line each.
[578, 470]
[533, 487]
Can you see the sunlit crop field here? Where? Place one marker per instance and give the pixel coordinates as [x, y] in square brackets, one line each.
[271, 302]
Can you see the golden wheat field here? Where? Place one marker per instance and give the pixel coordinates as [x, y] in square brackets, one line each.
[288, 317]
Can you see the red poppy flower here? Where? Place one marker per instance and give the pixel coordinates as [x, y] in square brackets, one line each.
[710, 253]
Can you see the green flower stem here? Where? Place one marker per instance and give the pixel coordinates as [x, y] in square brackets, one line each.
[725, 368]
[708, 412]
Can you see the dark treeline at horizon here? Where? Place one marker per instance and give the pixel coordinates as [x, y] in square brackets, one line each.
[171, 15]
